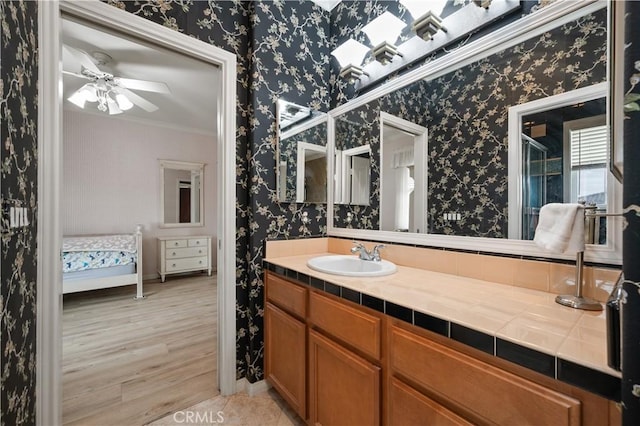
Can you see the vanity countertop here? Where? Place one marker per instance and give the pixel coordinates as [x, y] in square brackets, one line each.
[510, 315]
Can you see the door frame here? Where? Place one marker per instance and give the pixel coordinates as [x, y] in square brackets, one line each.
[49, 274]
[420, 148]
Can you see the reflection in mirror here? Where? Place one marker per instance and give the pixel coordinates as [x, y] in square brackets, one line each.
[181, 194]
[465, 110]
[302, 154]
[563, 158]
[353, 175]
[403, 195]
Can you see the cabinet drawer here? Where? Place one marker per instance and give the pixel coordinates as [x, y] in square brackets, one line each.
[407, 406]
[286, 295]
[192, 263]
[176, 243]
[494, 395]
[177, 253]
[359, 329]
[197, 242]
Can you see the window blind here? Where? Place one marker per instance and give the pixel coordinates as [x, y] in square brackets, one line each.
[589, 146]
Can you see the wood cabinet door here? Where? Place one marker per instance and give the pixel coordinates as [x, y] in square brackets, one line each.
[406, 406]
[285, 356]
[344, 389]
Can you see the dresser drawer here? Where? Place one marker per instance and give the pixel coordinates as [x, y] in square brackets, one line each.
[476, 385]
[359, 329]
[177, 253]
[176, 243]
[286, 295]
[197, 242]
[188, 263]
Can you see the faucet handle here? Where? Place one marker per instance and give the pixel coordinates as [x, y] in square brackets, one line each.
[356, 247]
[375, 253]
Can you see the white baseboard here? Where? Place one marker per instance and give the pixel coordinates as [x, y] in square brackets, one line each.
[252, 389]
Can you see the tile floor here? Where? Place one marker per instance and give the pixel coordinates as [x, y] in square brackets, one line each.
[264, 409]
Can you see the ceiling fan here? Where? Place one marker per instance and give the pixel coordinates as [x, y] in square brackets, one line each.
[113, 94]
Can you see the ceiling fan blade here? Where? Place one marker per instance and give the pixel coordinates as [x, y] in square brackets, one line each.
[75, 74]
[137, 100]
[81, 57]
[147, 86]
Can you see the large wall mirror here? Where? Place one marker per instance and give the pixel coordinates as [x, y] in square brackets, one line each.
[302, 154]
[464, 150]
[181, 194]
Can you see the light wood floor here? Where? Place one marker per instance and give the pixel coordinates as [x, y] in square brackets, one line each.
[129, 362]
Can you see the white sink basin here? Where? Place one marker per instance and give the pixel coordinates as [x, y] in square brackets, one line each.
[351, 266]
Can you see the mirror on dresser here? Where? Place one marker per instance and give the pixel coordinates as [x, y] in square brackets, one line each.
[456, 181]
[181, 194]
[301, 153]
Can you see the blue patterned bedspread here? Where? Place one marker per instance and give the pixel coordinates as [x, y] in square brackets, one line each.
[97, 251]
[82, 260]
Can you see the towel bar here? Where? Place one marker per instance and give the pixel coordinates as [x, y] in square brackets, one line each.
[578, 301]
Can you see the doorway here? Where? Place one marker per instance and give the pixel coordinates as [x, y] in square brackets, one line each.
[50, 188]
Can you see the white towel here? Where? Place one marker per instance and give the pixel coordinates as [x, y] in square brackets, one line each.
[561, 228]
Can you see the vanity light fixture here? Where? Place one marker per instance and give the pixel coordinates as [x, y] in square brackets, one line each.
[482, 3]
[426, 17]
[383, 33]
[350, 55]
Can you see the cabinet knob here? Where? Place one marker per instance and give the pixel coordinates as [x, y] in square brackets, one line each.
[199, 251]
[200, 262]
[175, 243]
[174, 253]
[174, 265]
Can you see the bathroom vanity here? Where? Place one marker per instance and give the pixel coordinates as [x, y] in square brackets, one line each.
[385, 350]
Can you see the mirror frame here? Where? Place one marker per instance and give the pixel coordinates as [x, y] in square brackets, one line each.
[516, 112]
[548, 18]
[181, 165]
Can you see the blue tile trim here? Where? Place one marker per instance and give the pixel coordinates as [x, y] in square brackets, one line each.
[350, 295]
[397, 311]
[592, 380]
[577, 375]
[428, 322]
[526, 357]
[373, 302]
[332, 288]
[475, 339]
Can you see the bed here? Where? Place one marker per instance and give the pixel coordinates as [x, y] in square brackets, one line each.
[92, 262]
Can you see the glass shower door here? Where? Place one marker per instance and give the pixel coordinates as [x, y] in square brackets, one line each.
[534, 184]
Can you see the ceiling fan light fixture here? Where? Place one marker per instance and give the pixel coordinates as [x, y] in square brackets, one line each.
[78, 98]
[123, 102]
[113, 106]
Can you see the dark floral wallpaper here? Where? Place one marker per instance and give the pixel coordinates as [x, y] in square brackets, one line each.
[282, 48]
[466, 114]
[18, 108]
[631, 233]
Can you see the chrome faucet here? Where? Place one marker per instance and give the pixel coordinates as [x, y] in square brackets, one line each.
[375, 253]
[364, 254]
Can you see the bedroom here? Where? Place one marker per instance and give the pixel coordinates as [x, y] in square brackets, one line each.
[115, 166]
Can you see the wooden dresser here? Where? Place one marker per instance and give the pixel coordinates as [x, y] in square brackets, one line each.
[183, 254]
